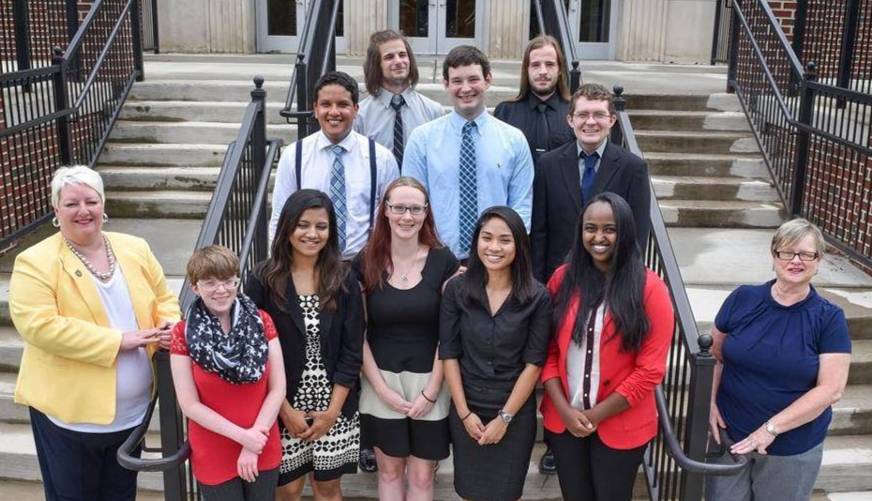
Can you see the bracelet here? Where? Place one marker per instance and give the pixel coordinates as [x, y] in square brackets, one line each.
[427, 398]
[466, 416]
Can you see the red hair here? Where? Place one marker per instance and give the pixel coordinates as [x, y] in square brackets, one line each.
[376, 255]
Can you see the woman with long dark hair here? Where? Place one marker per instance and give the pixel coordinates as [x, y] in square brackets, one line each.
[403, 409]
[494, 326]
[613, 320]
[317, 310]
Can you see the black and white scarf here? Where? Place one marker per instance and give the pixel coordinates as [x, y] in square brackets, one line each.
[238, 356]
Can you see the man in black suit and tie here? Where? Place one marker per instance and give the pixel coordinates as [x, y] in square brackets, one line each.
[568, 176]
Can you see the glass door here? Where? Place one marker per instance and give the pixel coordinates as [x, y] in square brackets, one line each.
[280, 22]
[459, 24]
[593, 24]
[437, 26]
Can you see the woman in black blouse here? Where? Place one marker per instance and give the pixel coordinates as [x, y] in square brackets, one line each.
[494, 328]
[318, 313]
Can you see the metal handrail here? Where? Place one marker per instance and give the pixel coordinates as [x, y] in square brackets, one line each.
[127, 460]
[552, 20]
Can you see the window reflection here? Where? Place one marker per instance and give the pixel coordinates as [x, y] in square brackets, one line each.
[460, 19]
[594, 25]
[414, 18]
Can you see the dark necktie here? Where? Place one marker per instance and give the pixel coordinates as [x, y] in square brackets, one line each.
[588, 175]
[468, 184]
[543, 132]
[397, 103]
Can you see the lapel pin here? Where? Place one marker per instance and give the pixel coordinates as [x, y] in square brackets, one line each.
[79, 273]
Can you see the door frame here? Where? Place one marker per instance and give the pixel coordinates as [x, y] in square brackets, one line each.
[588, 51]
[284, 44]
[435, 43]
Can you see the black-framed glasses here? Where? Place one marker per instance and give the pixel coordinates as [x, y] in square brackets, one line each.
[789, 255]
[400, 209]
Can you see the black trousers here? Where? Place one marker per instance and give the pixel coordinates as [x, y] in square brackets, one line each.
[589, 470]
[236, 489]
[79, 466]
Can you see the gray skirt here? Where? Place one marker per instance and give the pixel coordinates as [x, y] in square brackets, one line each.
[492, 472]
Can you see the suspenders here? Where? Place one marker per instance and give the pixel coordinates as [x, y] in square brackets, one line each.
[298, 167]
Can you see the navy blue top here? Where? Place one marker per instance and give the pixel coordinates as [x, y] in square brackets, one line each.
[771, 359]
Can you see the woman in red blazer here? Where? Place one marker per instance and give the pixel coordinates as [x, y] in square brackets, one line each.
[614, 323]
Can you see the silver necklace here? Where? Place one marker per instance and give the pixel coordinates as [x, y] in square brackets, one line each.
[110, 256]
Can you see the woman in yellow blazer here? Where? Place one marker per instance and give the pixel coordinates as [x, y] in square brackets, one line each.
[92, 308]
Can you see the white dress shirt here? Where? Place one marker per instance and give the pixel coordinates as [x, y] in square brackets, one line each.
[317, 159]
[376, 117]
[575, 364]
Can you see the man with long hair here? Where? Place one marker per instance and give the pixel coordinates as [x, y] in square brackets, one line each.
[541, 106]
[393, 108]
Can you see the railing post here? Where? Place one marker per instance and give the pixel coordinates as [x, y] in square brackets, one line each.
[574, 77]
[302, 97]
[617, 135]
[136, 32]
[733, 59]
[172, 433]
[803, 144]
[258, 134]
[65, 140]
[799, 27]
[72, 14]
[846, 54]
[716, 32]
[21, 16]
[696, 431]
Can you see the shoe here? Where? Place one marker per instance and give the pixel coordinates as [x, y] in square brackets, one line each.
[366, 461]
[548, 464]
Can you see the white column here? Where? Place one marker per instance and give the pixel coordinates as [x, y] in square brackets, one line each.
[206, 26]
[507, 28]
[678, 31]
[362, 19]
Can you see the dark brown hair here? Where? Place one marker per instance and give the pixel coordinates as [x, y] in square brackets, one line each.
[372, 72]
[562, 77]
[466, 55]
[376, 255]
[593, 92]
[329, 267]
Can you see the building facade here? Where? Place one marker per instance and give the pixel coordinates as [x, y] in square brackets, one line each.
[678, 31]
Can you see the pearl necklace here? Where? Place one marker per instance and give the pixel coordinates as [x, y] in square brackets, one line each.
[110, 256]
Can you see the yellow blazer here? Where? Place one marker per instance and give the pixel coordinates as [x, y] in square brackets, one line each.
[68, 366]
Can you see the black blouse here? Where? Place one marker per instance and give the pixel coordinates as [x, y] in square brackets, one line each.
[341, 332]
[493, 349]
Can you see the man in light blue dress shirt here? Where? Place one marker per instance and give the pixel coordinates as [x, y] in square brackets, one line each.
[502, 172]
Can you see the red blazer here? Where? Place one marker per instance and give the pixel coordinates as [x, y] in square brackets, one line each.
[633, 375]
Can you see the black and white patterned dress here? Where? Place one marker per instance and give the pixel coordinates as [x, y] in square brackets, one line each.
[336, 452]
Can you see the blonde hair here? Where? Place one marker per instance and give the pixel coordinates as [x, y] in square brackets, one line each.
[213, 261]
[795, 230]
[75, 174]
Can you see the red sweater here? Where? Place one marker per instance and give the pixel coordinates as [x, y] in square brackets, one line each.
[213, 456]
[633, 375]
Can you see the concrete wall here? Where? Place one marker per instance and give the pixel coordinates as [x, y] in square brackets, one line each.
[206, 26]
[671, 31]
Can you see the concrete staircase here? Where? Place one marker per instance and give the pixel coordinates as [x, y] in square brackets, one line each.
[164, 155]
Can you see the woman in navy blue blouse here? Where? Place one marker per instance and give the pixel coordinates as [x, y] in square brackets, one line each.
[783, 355]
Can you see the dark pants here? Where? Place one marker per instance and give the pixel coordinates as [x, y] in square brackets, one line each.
[589, 470]
[80, 466]
[262, 489]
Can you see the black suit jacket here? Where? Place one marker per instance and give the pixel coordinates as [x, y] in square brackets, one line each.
[341, 333]
[557, 200]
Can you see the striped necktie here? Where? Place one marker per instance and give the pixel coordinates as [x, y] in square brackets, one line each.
[337, 193]
[397, 103]
[468, 188]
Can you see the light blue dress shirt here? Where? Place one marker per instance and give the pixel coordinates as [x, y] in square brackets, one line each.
[504, 169]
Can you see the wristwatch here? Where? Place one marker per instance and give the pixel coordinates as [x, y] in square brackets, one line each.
[771, 429]
[505, 416]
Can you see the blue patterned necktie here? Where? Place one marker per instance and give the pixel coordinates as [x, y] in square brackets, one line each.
[468, 188]
[588, 176]
[337, 193]
[397, 103]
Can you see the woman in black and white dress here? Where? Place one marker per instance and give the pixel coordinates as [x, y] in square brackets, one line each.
[318, 313]
[403, 408]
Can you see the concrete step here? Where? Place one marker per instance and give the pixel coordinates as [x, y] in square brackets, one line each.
[700, 164]
[18, 490]
[713, 188]
[688, 120]
[679, 102]
[846, 464]
[11, 347]
[199, 111]
[852, 415]
[678, 141]
[733, 256]
[158, 154]
[722, 214]
[861, 362]
[128, 178]
[158, 204]
[189, 132]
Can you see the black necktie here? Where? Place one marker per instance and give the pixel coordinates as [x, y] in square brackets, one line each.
[397, 103]
[542, 130]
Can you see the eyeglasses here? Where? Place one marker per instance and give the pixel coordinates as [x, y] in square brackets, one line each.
[789, 255]
[400, 209]
[599, 116]
[212, 285]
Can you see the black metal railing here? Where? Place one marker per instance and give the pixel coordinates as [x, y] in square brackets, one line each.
[62, 113]
[551, 19]
[30, 28]
[674, 463]
[316, 55]
[237, 218]
[814, 136]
